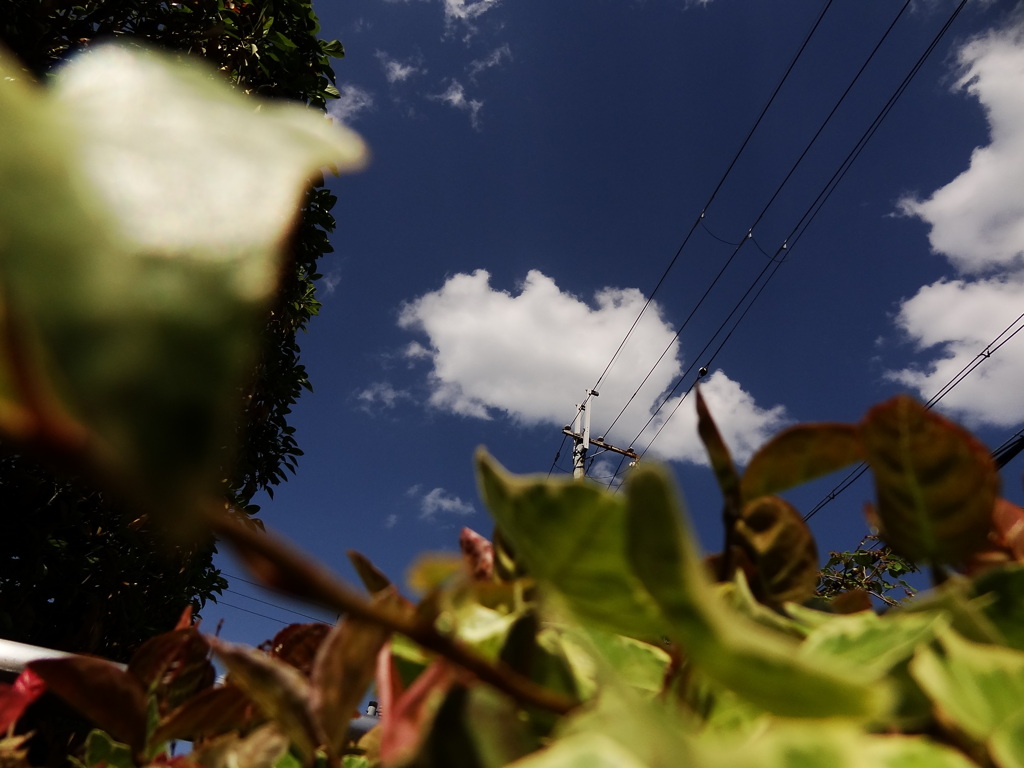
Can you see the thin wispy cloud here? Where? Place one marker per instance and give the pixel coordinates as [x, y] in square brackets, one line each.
[529, 355]
[381, 395]
[976, 222]
[439, 502]
[455, 96]
[353, 102]
[496, 58]
[396, 70]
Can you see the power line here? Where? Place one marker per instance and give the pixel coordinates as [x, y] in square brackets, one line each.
[985, 354]
[750, 230]
[714, 193]
[810, 213]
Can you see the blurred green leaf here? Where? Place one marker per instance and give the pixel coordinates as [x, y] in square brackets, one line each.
[798, 455]
[148, 335]
[979, 687]
[101, 750]
[1000, 593]
[755, 662]
[936, 484]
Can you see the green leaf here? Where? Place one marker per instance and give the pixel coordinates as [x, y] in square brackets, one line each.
[800, 454]
[747, 658]
[571, 537]
[789, 745]
[148, 335]
[101, 750]
[866, 640]
[1000, 594]
[936, 484]
[979, 687]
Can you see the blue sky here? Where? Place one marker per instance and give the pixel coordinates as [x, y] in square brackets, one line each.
[536, 168]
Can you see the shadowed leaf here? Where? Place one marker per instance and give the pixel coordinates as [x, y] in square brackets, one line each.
[262, 748]
[800, 454]
[372, 577]
[173, 666]
[113, 699]
[406, 724]
[208, 713]
[278, 689]
[781, 548]
[718, 454]
[298, 644]
[936, 484]
[344, 669]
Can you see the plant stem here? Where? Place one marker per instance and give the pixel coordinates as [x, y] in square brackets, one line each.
[281, 567]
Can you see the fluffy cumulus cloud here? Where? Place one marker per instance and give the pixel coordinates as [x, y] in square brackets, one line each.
[530, 355]
[353, 102]
[977, 222]
[439, 502]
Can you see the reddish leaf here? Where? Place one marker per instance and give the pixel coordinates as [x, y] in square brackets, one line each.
[344, 669]
[109, 696]
[14, 699]
[173, 666]
[407, 722]
[718, 453]
[781, 548]
[185, 620]
[208, 713]
[297, 644]
[372, 577]
[800, 454]
[854, 601]
[936, 484]
[278, 689]
[478, 552]
[1008, 528]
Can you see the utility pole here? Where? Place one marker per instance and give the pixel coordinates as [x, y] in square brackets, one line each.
[580, 434]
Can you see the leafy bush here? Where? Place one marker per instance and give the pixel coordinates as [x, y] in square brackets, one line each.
[591, 632]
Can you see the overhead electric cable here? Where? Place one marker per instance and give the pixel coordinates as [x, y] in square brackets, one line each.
[274, 605]
[812, 210]
[992, 347]
[714, 193]
[764, 210]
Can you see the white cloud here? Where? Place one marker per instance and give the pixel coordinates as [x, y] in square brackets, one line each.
[438, 501]
[496, 58]
[330, 281]
[455, 97]
[380, 395]
[397, 71]
[977, 222]
[351, 104]
[959, 319]
[531, 355]
[467, 10]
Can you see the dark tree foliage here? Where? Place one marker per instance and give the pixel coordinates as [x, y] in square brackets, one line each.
[75, 573]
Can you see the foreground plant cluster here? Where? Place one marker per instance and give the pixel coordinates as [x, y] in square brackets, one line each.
[589, 632]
